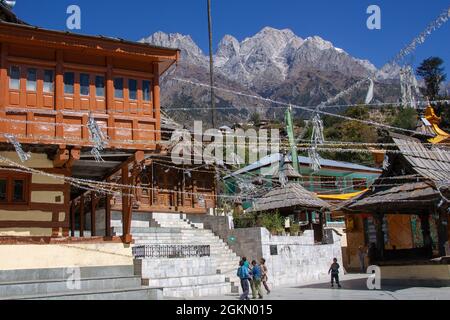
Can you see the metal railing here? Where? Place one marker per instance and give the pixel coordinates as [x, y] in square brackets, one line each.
[171, 251]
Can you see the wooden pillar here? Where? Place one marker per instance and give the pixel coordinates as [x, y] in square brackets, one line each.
[426, 234]
[320, 235]
[3, 76]
[59, 84]
[378, 221]
[72, 218]
[126, 206]
[110, 104]
[93, 213]
[442, 230]
[108, 214]
[152, 185]
[156, 100]
[82, 216]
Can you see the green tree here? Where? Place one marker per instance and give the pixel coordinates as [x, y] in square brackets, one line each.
[405, 118]
[432, 72]
[255, 118]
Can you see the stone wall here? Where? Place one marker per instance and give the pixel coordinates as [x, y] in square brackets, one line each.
[297, 260]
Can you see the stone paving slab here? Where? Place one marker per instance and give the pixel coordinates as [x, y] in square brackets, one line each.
[353, 288]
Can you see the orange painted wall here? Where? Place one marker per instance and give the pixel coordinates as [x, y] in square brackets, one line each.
[400, 233]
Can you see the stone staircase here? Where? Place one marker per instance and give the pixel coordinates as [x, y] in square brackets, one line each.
[95, 283]
[184, 277]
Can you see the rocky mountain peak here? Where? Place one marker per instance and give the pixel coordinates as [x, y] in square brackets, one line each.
[190, 52]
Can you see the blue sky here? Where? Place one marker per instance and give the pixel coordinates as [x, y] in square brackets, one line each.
[341, 22]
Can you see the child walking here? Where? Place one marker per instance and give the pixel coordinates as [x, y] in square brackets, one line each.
[244, 274]
[334, 270]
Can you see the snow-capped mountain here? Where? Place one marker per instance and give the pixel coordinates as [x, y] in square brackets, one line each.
[268, 63]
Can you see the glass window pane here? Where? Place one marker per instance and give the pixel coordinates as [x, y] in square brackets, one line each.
[48, 81]
[19, 192]
[84, 84]
[14, 78]
[132, 89]
[118, 88]
[3, 187]
[99, 86]
[31, 79]
[146, 90]
[69, 78]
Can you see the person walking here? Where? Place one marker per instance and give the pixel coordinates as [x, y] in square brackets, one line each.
[362, 258]
[334, 270]
[256, 281]
[244, 275]
[264, 277]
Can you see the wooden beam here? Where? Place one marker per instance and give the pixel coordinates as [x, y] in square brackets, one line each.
[442, 231]
[108, 216]
[378, 220]
[137, 157]
[74, 156]
[82, 216]
[72, 218]
[126, 206]
[61, 158]
[94, 203]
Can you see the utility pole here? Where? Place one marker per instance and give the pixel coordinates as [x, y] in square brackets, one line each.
[211, 67]
[213, 99]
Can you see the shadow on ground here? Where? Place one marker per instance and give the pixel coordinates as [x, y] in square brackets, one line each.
[361, 284]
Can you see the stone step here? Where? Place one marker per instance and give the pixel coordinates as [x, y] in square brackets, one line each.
[218, 289]
[172, 282]
[141, 293]
[30, 275]
[56, 286]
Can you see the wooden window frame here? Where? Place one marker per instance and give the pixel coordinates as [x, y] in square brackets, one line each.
[37, 74]
[10, 66]
[53, 83]
[10, 177]
[357, 184]
[326, 182]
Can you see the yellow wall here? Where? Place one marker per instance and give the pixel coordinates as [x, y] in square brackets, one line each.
[37, 161]
[31, 215]
[61, 256]
[25, 232]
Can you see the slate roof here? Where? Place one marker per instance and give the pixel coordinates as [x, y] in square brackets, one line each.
[289, 172]
[432, 163]
[417, 195]
[276, 157]
[292, 195]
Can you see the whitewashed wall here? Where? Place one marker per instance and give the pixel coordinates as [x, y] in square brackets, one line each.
[299, 259]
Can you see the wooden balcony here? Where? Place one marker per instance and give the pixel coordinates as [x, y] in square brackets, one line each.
[52, 82]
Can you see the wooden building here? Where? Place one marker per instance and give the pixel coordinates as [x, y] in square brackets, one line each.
[336, 180]
[404, 216]
[52, 84]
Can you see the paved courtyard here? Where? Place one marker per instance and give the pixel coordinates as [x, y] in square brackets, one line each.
[353, 288]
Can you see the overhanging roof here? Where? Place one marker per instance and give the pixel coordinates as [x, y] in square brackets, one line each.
[432, 163]
[293, 195]
[406, 197]
[276, 157]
